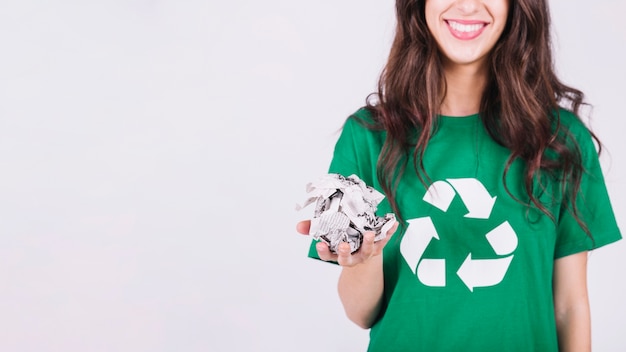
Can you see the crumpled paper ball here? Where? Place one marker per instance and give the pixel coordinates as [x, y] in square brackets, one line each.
[345, 209]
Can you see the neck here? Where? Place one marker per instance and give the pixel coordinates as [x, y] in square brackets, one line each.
[465, 85]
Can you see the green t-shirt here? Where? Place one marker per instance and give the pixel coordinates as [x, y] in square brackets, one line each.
[472, 270]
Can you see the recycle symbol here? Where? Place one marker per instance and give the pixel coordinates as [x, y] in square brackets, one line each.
[473, 272]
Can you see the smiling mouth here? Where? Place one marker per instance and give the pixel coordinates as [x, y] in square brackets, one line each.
[460, 27]
[466, 29]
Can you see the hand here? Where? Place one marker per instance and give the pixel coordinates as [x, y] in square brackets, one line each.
[368, 248]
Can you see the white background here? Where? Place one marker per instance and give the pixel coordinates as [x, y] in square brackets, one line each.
[152, 152]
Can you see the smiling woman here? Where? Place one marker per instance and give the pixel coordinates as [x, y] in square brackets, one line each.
[482, 155]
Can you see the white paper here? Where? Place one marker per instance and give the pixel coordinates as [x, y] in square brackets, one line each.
[345, 209]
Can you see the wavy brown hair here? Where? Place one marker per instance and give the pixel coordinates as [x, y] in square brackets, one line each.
[519, 107]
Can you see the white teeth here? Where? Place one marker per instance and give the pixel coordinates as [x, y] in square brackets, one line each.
[465, 27]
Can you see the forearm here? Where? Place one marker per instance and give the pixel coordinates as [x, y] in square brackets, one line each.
[361, 291]
[571, 303]
[574, 328]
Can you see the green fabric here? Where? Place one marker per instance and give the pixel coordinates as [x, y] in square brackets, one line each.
[501, 299]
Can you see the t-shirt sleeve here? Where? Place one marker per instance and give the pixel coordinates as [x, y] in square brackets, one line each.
[594, 207]
[344, 161]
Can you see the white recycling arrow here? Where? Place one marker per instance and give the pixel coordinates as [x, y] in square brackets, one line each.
[503, 239]
[432, 272]
[440, 194]
[418, 235]
[483, 272]
[475, 197]
[490, 272]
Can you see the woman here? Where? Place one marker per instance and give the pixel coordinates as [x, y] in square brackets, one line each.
[479, 150]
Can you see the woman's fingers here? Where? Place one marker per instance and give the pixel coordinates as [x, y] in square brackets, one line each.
[367, 250]
[367, 247]
[324, 252]
[344, 257]
[303, 227]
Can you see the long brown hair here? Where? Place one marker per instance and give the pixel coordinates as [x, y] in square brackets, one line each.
[519, 107]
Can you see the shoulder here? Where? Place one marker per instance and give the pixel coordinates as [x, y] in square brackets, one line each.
[363, 122]
[571, 122]
[363, 116]
[361, 133]
[572, 126]
[576, 134]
